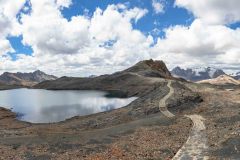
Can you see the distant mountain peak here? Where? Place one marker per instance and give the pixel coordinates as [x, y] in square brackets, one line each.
[38, 71]
[27, 79]
[197, 73]
[236, 75]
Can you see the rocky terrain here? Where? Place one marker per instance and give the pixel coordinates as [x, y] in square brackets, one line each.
[25, 79]
[170, 119]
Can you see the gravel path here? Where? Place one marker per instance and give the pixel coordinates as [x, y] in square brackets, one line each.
[162, 102]
[196, 145]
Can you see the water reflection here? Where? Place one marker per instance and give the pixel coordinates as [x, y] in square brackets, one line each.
[43, 106]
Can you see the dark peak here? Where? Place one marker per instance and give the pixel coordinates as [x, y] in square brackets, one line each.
[38, 72]
[6, 73]
[155, 65]
[219, 70]
[217, 73]
[177, 69]
[151, 68]
[63, 77]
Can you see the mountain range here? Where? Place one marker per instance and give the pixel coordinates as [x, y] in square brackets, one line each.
[25, 79]
[139, 72]
[144, 74]
[200, 73]
[236, 75]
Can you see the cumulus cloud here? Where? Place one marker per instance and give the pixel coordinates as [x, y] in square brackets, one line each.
[8, 23]
[107, 41]
[10, 8]
[113, 25]
[200, 44]
[5, 47]
[63, 3]
[158, 6]
[104, 40]
[53, 34]
[213, 11]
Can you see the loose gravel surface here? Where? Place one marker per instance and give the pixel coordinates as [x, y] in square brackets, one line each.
[222, 114]
[196, 145]
[137, 131]
[162, 102]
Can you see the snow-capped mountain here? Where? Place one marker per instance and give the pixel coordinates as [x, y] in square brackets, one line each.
[236, 75]
[198, 73]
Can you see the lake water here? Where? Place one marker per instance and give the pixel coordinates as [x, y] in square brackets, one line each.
[44, 106]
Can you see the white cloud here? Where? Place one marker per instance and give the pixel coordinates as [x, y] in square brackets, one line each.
[158, 6]
[5, 47]
[107, 41]
[213, 11]
[92, 43]
[10, 8]
[64, 3]
[53, 34]
[8, 23]
[200, 44]
[113, 25]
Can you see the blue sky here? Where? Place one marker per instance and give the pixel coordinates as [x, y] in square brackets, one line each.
[148, 24]
[172, 16]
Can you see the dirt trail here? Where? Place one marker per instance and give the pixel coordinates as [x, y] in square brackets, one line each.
[196, 145]
[162, 102]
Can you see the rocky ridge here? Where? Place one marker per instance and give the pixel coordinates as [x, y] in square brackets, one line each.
[143, 74]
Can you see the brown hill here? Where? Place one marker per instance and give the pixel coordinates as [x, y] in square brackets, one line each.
[222, 80]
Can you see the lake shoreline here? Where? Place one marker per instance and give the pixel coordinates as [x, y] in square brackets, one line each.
[47, 106]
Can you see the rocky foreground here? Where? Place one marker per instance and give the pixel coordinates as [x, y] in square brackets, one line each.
[140, 130]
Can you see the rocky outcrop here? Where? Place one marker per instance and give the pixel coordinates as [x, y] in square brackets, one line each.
[25, 79]
[151, 68]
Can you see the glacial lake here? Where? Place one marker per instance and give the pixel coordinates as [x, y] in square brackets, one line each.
[45, 106]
